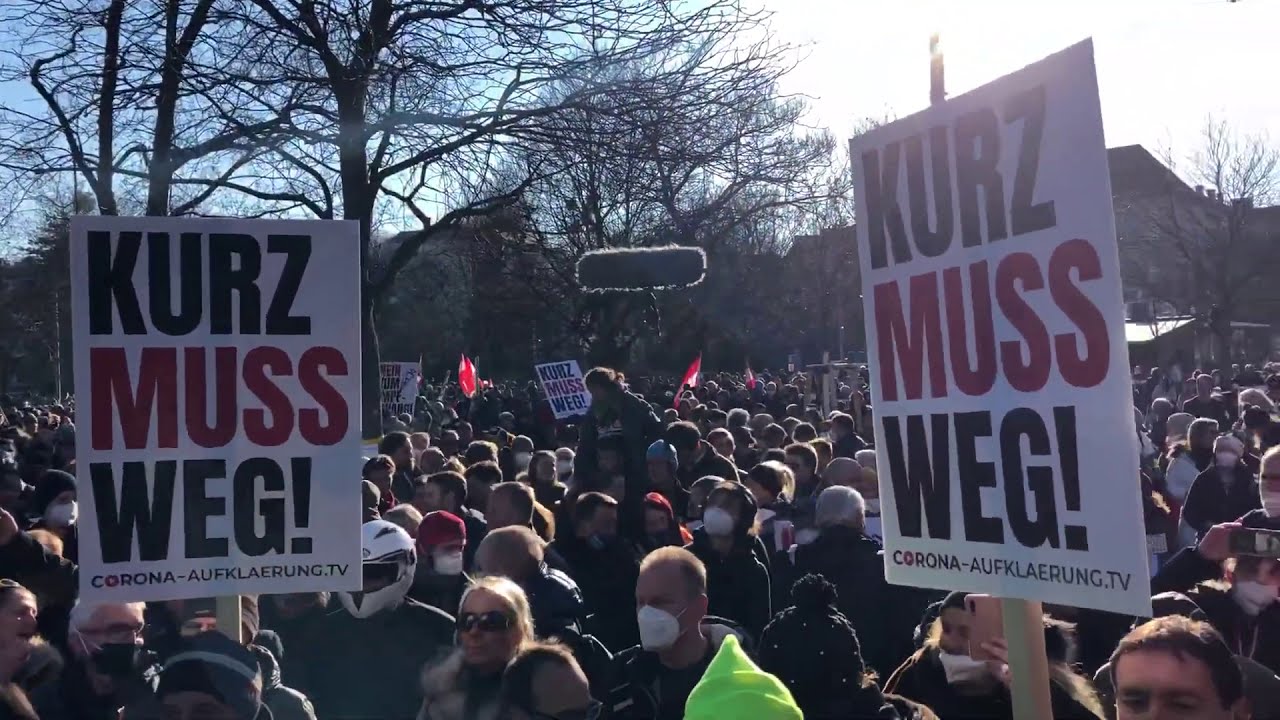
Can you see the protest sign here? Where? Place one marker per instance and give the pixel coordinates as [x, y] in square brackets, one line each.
[567, 393]
[398, 387]
[1006, 450]
[217, 367]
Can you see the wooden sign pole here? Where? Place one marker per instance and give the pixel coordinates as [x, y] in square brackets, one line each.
[227, 615]
[1028, 663]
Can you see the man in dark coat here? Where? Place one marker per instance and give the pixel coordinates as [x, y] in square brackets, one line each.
[854, 564]
[604, 568]
[697, 458]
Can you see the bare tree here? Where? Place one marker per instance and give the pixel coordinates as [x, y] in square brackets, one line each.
[713, 156]
[424, 110]
[1208, 251]
[142, 98]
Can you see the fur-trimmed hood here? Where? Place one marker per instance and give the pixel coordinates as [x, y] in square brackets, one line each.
[449, 690]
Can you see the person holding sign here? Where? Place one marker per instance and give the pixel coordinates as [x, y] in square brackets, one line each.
[615, 411]
[946, 676]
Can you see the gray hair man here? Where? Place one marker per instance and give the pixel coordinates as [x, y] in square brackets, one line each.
[853, 561]
[108, 668]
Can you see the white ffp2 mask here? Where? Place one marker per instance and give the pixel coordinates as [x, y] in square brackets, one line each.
[717, 521]
[659, 629]
[961, 669]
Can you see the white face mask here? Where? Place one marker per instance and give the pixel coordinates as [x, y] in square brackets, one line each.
[659, 629]
[1253, 597]
[62, 515]
[522, 460]
[961, 669]
[447, 563]
[564, 467]
[718, 522]
[1225, 459]
[873, 506]
[1271, 503]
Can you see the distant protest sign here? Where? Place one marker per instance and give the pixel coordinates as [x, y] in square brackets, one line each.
[398, 386]
[217, 367]
[1005, 440]
[567, 393]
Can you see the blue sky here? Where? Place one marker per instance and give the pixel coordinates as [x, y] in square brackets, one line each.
[1162, 64]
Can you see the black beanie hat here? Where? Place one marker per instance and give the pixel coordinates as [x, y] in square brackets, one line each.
[213, 664]
[813, 649]
[50, 485]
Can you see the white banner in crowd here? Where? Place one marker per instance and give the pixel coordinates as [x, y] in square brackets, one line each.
[217, 367]
[398, 384]
[1007, 457]
[567, 393]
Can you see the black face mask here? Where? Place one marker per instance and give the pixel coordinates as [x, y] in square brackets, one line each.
[117, 660]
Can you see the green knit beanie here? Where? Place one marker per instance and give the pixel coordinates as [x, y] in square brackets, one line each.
[734, 687]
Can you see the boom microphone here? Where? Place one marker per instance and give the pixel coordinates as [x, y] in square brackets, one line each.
[641, 269]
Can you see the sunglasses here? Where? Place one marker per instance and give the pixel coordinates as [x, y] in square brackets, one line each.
[590, 712]
[492, 621]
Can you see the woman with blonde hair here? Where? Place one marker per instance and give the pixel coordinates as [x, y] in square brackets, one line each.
[494, 623]
[943, 676]
[17, 641]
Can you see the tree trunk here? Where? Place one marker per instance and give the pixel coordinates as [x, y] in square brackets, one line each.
[370, 400]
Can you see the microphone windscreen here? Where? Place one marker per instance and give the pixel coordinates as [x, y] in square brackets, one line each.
[641, 269]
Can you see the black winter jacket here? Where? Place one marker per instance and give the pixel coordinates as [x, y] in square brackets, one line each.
[71, 697]
[854, 563]
[1190, 573]
[555, 601]
[737, 586]
[922, 679]
[371, 668]
[1209, 502]
[284, 702]
[633, 691]
[640, 427]
[607, 579]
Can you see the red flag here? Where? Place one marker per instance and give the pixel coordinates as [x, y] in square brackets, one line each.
[467, 376]
[690, 378]
[751, 379]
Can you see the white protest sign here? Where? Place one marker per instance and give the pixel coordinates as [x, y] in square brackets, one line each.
[567, 393]
[398, 386]
[1007, 458]
[217, 367]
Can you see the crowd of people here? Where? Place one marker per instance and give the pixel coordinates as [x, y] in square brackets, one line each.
[678, 552]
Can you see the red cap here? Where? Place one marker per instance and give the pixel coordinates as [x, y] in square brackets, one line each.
[659, 500]
[441, 528]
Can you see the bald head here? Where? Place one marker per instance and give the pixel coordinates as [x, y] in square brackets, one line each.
[842, 471]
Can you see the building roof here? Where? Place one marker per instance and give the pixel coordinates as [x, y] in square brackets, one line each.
[1136, 333]
[1135, 171]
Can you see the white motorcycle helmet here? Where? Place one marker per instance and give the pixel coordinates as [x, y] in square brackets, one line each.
[389, 562]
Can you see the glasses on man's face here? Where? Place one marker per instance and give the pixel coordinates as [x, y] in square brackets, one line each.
[114, 633]
[590, 712]
[492, 621]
